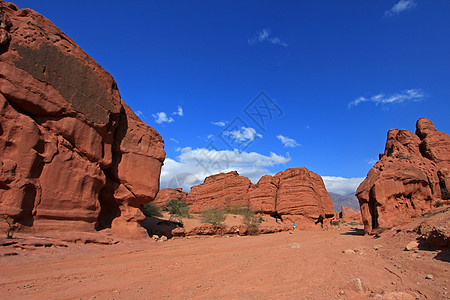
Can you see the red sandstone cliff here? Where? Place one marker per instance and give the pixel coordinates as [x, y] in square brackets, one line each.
[71, 151]
[408, 178]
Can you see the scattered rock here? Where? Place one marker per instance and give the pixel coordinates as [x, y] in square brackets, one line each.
[412, 245]
[377, 247]
[429, 276]
[348, 251]
[294, 245]
[355, 285]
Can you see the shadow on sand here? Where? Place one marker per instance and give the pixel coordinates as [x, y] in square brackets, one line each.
[354, 231]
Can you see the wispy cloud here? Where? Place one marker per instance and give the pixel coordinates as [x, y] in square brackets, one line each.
[371, 161]
[265, 36]
[408, 95]
[245, 134]
[287, 142]
[179, 111]
[192, 166]
[399, 7]
[220, 123]
[140, 114]
[341, 185]
[174, 140]
[161, 117]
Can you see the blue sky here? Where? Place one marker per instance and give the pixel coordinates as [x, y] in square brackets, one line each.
[335, 76]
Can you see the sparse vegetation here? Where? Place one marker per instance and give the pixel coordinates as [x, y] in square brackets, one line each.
[335, 223]
[354, 223]
[238, 210]
[151, 210]
[177, 208]
[445, 194]
[252, 221]
[10, 226]
[438, 203]
[213, 216]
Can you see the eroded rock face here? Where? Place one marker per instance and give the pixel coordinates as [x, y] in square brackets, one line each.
[71, 149]
[297, 195]
[219, 191]
[408, 178]
[348, 214]
[165, 195]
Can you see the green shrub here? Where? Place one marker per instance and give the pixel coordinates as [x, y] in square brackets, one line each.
[177, 208]
[213, 216]
[151, 210]
[445, 194]
[335, 223]
[438, 203]
[252, 221]
[238, 210]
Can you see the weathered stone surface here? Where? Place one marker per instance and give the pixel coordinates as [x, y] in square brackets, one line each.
[349, 214]
[71, 149]
[219, 191]
[297, 195]
[408, 178]
[165, 195]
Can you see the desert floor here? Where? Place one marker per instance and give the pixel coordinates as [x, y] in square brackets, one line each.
[286, 265]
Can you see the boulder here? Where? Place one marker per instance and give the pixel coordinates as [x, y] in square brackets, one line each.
[411, 175]
[73, 153]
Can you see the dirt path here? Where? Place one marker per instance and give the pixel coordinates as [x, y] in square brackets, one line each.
[302, 265]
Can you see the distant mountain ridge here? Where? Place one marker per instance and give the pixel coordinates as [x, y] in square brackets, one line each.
[341, 200]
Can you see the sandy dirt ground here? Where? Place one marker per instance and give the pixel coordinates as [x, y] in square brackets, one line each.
[286, 265]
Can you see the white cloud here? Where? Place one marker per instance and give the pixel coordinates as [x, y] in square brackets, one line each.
[245, 134]
[372, 161]
[408, 95]
[140, 114]
[174, 140]
[341, 185]
[179, 111]
[264, 36]
[192, 166]
[287, 142]
[210, 136]
[161, 117]
[399, 7]
[220, 123]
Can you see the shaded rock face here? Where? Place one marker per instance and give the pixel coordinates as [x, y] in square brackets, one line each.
[409, 177]
[165, 195]
[71, 149]
[297, 195]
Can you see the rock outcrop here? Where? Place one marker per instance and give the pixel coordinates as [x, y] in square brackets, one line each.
[72, 152]
[165, 195]
[348, 214]
[296, 195]
[411, 175]
[219, 191]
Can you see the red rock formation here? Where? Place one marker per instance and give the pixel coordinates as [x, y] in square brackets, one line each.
[348, 214]
[165, 195]
[71, 149]
[298, 195]
[408, 178]
[219, 191]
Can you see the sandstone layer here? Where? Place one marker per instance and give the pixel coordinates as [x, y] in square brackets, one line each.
[72, 152]
[411, 176]
[165, 195]
[348, 214]
[296, 195]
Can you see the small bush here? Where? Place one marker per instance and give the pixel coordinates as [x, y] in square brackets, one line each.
[151, 210]
[438, 203]
[213, 216]
[335, 223]
[177, 208]
[445, 194]
[252, 221]
[10, 226]
[238, 210]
